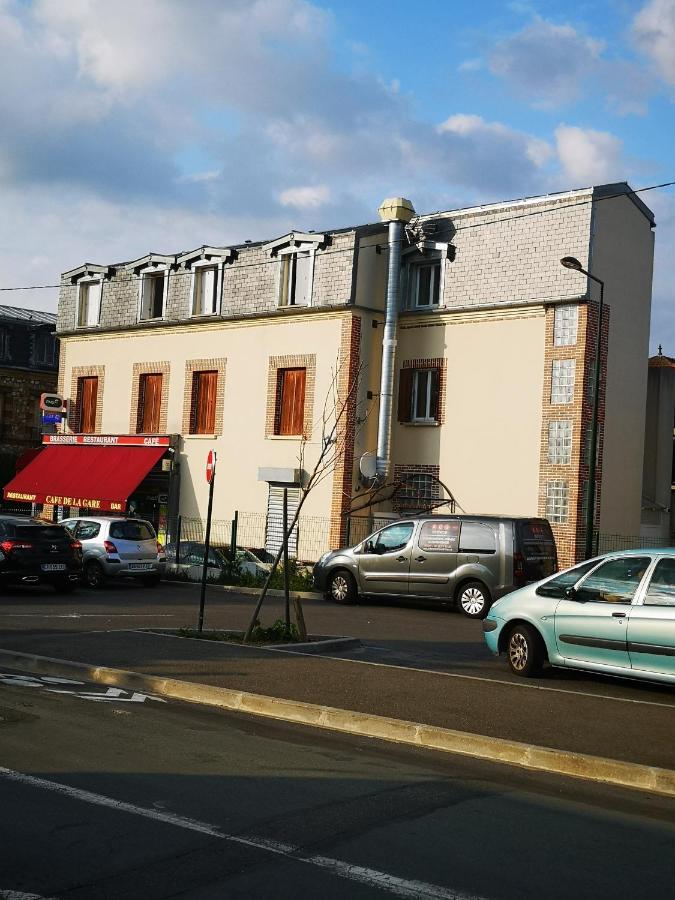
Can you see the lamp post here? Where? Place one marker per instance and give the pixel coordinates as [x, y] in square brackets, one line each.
[570, 262]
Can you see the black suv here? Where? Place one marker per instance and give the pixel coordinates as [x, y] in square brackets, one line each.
[36, 552]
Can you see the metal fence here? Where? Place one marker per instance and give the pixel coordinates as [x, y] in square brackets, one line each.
[608, 543]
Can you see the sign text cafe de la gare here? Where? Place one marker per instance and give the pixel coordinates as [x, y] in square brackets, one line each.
[88, 471]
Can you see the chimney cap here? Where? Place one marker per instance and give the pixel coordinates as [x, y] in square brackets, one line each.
[396, 209]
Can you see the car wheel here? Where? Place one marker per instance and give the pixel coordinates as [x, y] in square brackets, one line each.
[150, 580]
[93, 574]
[473, 600]
[342, 587]
[524, 651]
[64, 587]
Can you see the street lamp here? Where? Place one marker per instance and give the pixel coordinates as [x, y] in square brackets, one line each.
[570, 262]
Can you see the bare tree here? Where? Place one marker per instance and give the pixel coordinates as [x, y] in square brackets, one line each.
[339, 424]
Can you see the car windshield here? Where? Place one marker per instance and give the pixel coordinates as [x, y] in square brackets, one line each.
[132, 531]
[557, 586]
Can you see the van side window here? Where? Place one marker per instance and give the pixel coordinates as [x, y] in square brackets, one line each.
[439, 537]
[476, 537]
[394, 537]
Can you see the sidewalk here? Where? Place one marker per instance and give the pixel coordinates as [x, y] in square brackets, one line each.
[527, 713]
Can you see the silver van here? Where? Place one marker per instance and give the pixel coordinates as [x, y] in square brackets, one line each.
[471, 560]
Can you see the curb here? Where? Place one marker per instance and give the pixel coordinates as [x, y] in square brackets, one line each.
[430, 737]
[253, 592]
[320, 644]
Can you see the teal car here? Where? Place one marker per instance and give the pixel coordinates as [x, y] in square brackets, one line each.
[614, 614]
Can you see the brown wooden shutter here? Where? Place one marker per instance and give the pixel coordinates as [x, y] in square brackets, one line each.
[88, 394]
[434, 410]
[150, 403]
[291, 397]
[206, 386]
[405, 384]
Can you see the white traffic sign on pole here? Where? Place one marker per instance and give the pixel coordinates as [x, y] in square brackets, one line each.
[210, 466]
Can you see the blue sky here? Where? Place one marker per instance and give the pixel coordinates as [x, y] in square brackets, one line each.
[163, 125]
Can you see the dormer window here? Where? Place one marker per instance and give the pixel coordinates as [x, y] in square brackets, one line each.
[153, 285]
[295, 252]
[204, 293]
[424, 284]
[89, 302]
[206, 264]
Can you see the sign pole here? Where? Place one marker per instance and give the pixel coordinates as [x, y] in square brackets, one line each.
[210, 477]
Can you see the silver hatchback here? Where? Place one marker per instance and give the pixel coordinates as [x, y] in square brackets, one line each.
[118, 548]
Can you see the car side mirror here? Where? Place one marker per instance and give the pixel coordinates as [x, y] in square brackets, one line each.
[571, 594]
[368, 547]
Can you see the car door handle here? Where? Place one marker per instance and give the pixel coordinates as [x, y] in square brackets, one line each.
[618, 615]
[401, 558]
[420, 558]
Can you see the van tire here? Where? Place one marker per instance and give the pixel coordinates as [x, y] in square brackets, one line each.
[473, 599]
[525, 651]
[342, 587]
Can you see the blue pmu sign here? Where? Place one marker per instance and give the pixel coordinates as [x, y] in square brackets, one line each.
[49, 418]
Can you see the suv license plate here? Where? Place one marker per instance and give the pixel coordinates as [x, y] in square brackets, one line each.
[140, 565]
[53, 567]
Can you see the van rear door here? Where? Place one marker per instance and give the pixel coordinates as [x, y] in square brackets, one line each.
[535, 555]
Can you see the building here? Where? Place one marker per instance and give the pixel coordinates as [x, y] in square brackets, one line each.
[237, 348]
[658, 482]
[28, 368]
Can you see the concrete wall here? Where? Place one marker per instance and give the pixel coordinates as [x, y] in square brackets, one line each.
[658, 457]
[622, 251]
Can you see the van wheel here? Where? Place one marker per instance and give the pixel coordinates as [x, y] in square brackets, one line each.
[473, 600]
[342, 587]
[524, 651]
[93, 574]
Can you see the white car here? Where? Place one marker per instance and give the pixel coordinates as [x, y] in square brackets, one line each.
[117, 548]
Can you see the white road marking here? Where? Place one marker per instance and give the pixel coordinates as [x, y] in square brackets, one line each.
[111, 615]
[19, 895]
[43, 681]
[400, 887]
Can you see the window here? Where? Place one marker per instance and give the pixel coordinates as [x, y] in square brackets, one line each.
[615, 581]
[419, 492]
[149, 403]
[565, 323]
[87, 399]
[4, 344]
[153, 291]
[132, 531]
[562, 381]
[557, 586]
[560, 442]
[205, 291]
[661, 590]
[295, 285]
[204, 394]
[418, 396]
[557, 501]
[394, 537]
[89, 303]
[44, 349]
[424, 281]
[85, 531]
[438, 537]
[290, 409]
[476, 537]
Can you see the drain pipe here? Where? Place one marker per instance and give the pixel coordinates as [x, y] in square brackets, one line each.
[397, 211]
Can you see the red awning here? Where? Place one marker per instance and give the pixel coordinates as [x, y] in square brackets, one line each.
[91, 477]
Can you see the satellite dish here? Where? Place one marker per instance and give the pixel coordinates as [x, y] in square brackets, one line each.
[368, 465]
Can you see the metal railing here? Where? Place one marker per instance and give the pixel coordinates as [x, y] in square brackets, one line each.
[608, 543]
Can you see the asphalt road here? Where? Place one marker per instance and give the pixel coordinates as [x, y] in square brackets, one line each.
[393, 634]
[113, 798]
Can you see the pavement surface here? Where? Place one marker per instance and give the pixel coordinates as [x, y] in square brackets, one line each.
[120, 798]
[429, 666]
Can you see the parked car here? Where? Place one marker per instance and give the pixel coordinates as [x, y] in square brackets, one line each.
[117, 548]
[614, 614]
[191, 562]
[37, 552]
[472, 560]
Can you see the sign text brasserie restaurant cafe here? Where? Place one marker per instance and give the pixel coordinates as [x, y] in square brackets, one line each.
[80, 474]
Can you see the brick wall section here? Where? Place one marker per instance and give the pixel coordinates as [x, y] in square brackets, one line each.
[570, 537]
[61, 384]
[347, 391]
[295, 361]
[74, 413]
[440, 363]
[202, 365]
[149, 368]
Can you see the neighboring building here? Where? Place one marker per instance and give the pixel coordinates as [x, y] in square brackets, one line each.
[236, 348]
[28, 367]
[658, 482]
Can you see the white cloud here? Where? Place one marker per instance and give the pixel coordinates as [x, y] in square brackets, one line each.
[534, 149]
[546, 62]
[309, 197]
[589, 157]
[654, 33]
